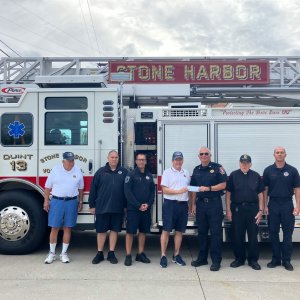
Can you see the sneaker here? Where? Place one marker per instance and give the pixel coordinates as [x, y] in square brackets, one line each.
[112, 258]
[128, 260]
[64, 257]
[142, 258]
[98, 258]
[178, 260]
[163, 262]
[50, 258]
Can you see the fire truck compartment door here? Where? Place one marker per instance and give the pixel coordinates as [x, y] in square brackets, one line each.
[257, 139]
[187, 138]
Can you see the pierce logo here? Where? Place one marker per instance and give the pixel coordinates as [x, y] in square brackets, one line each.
[13, 90]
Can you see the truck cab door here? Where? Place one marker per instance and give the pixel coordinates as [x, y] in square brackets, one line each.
[66, 123]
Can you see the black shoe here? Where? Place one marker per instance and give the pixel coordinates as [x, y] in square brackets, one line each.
[98, 258]
[111, 257]
[273, 264]
[254, 265]
[288, 266]
[128, 260]
[199, 263]
[142, 258]
[236, 263]
[215, 267]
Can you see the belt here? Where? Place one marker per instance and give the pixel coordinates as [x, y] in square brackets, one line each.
[64, 198]
[176, 201]
[245, 203]
[206, 199]
[281, 199]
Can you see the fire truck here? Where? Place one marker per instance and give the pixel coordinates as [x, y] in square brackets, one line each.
[233, 105]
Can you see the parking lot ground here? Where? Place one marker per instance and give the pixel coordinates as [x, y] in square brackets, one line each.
[27, 277]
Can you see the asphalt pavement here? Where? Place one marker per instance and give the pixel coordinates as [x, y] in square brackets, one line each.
[27, 277]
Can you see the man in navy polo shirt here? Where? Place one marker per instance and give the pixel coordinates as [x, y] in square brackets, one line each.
[282, 182]
[211, 179]
[107, 201]
[65, 182]
[174, 183]
[139, 190]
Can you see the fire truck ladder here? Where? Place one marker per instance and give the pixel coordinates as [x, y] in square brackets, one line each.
[283, 89]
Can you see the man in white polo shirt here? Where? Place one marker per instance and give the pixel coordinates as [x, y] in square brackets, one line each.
[65, 182]
[175, 181]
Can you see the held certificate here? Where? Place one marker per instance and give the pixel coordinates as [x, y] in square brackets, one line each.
[192, 188]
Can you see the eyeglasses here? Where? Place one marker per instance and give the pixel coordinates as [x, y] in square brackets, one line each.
[140, 159]
[205, 153]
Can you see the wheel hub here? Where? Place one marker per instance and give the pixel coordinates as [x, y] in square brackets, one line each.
[14, 223]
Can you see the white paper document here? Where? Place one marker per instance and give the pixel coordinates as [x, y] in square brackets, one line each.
[192, 188]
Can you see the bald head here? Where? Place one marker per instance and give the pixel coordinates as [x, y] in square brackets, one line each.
[279, 155]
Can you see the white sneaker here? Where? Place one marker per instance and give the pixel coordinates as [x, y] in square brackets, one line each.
[50, 258]
[64, 257]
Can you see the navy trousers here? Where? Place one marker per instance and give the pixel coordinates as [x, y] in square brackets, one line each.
[281, 213]
[209, 216]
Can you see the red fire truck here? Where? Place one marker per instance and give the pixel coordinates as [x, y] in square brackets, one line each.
[151, 105]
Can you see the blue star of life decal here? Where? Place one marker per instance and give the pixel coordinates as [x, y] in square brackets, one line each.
[16, 129]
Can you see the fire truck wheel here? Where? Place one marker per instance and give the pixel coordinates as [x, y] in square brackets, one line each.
[23, 222]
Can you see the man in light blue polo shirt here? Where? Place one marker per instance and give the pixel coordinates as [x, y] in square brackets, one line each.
[175, 181]
[65, 182]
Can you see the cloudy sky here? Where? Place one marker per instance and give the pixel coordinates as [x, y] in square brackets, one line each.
[149, 27]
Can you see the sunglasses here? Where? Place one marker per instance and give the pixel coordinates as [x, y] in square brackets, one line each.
[205, 153]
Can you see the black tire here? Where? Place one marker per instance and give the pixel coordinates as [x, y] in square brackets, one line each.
[27, 203]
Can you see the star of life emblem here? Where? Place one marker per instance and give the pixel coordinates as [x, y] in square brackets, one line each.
[16, 129]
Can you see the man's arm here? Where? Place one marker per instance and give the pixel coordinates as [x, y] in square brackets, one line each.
[80, 199]
[261, 207]
[169, 191]
[265, 201]
[152, 193]
[297, 196]
[228, 202]
[46, 199]
[193, 202]
[128, 186]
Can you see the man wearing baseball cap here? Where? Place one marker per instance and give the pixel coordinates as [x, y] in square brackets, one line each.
[244, 207]
[175, 181]
[65, 182]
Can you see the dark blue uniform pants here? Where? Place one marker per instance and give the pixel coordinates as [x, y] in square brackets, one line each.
[243, 220]
[281, 213]
[209, 216]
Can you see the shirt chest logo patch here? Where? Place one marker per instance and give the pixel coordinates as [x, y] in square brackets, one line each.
[147, 177]
[127, 179]
[212, 171]
[286, 174]
[120, 172]
[74, 176]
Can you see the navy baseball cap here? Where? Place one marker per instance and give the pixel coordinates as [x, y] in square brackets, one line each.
[68, 156]
[245, 158]
[177, 155]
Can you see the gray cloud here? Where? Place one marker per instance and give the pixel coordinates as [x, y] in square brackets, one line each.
[150, 28]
